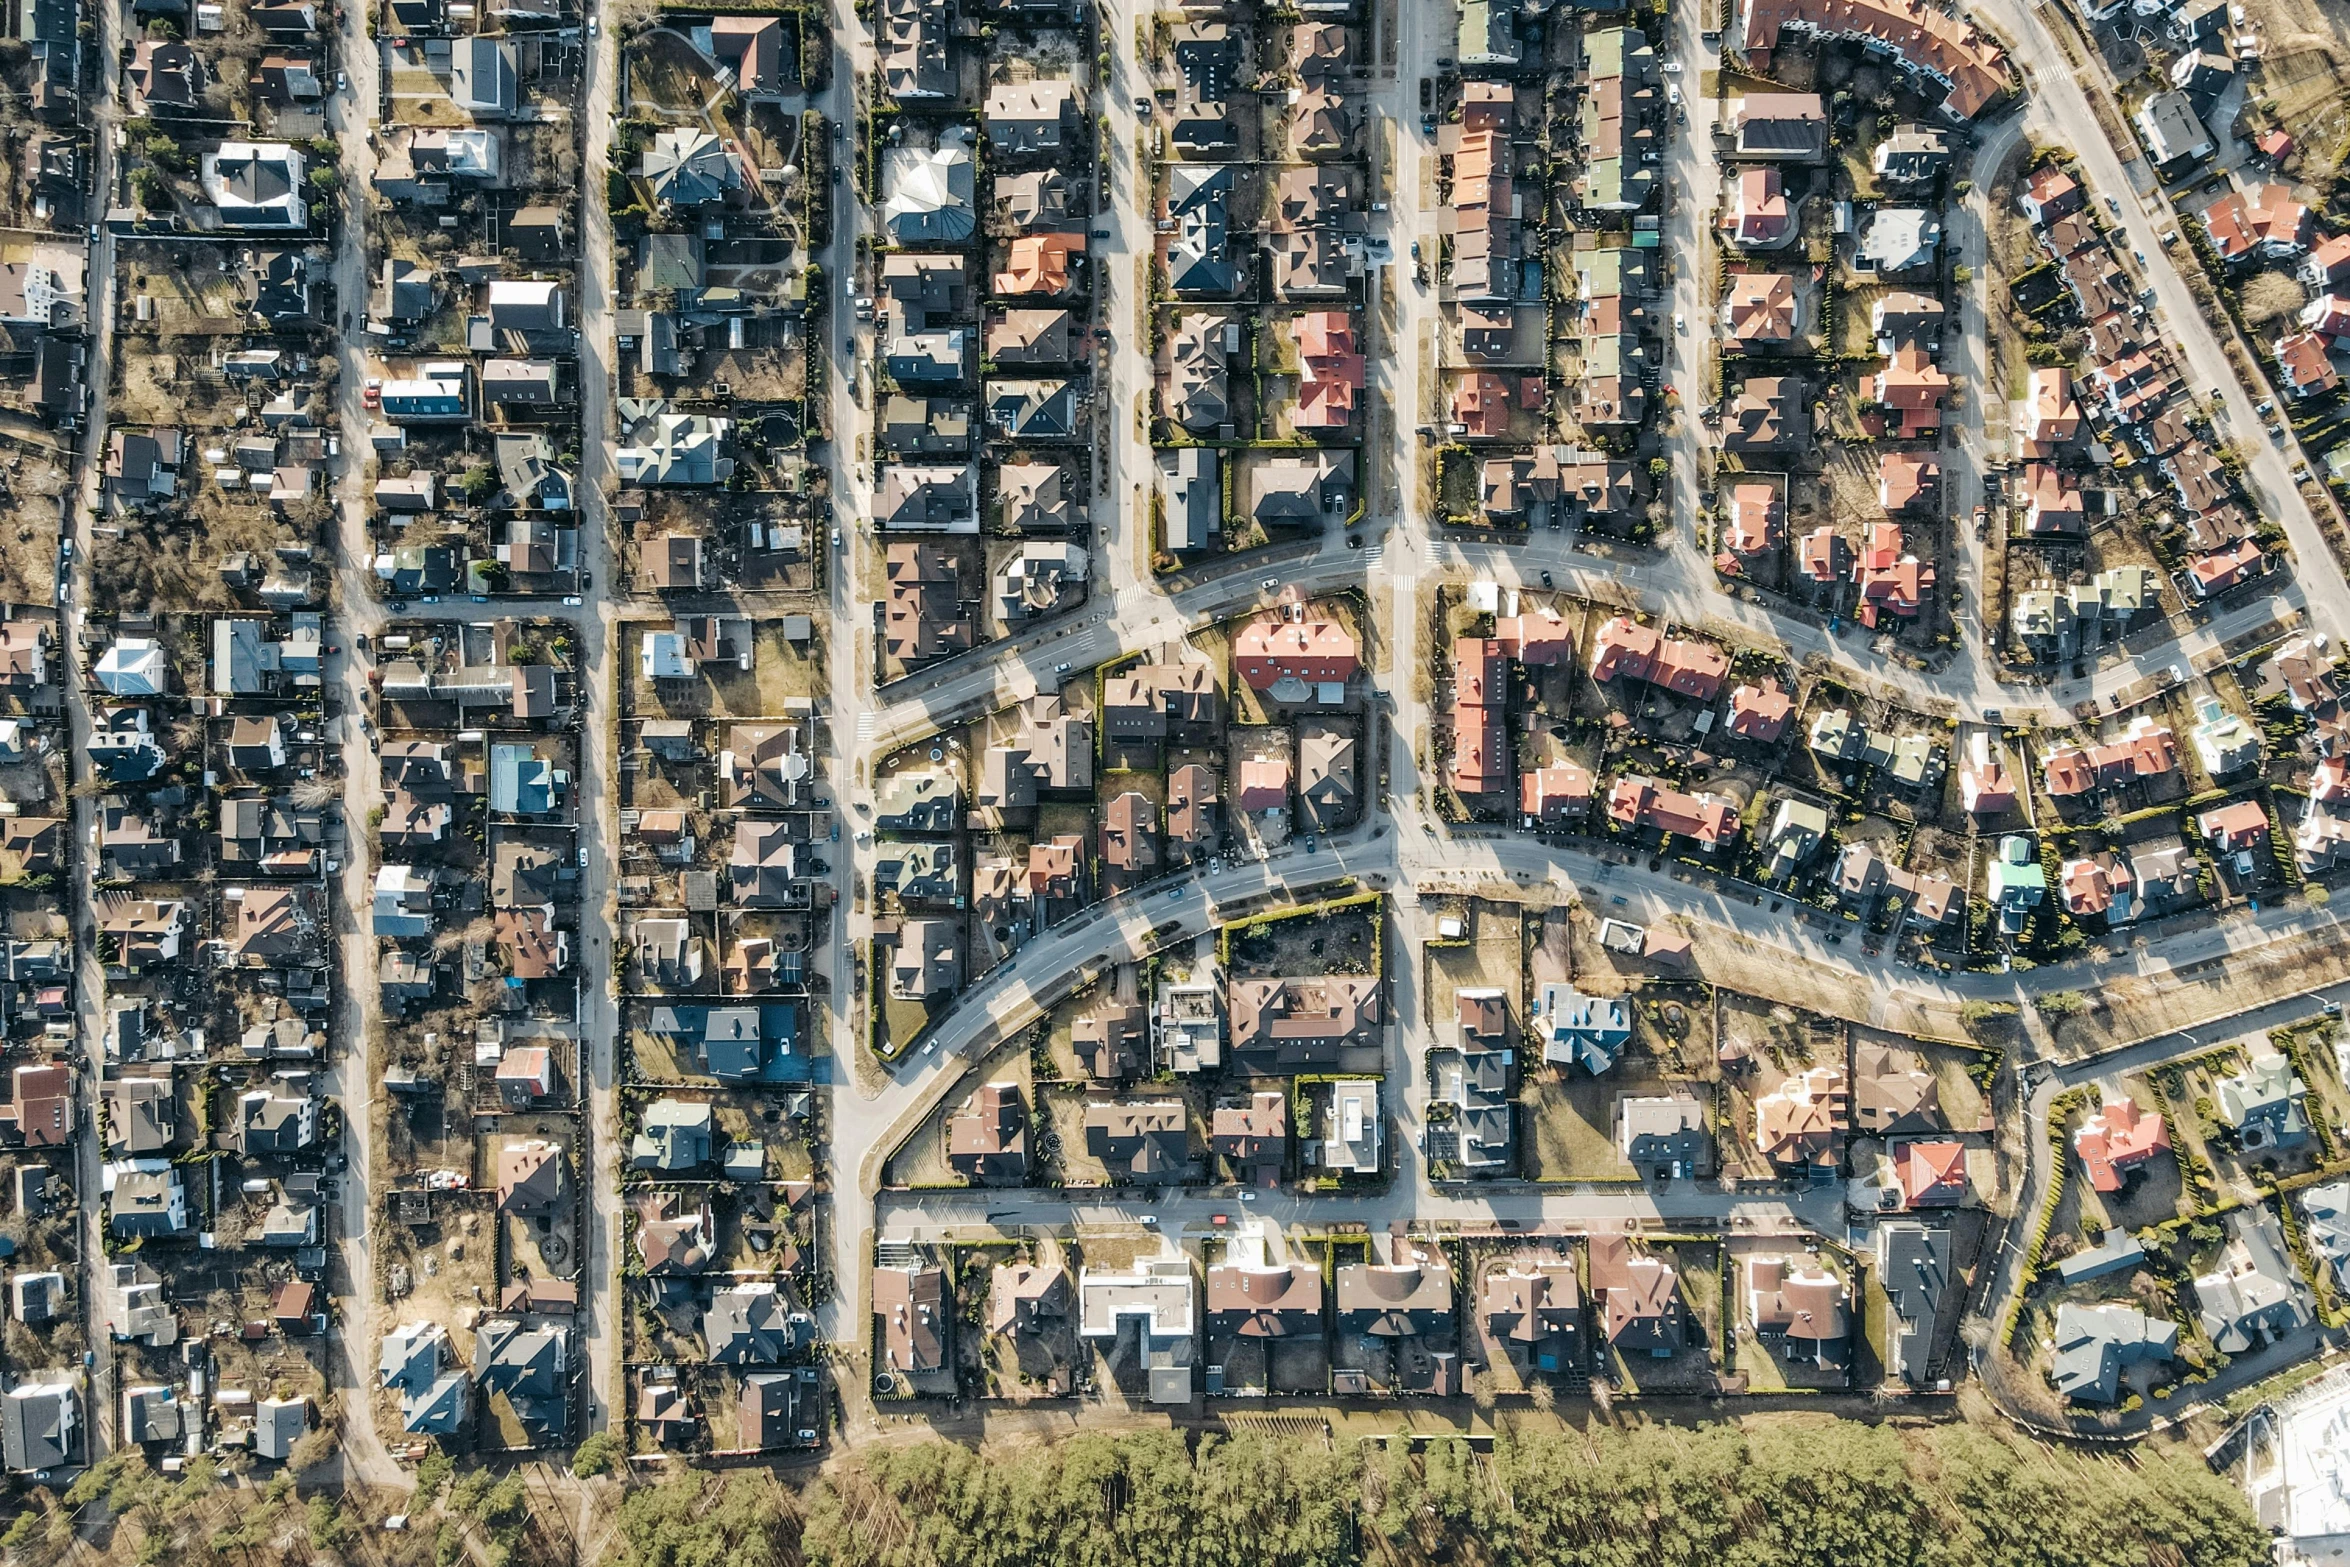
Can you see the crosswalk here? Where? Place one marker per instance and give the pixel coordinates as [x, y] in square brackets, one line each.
[867, 722]
[1372, 552]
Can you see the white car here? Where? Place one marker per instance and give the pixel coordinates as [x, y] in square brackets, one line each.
[1672, 67]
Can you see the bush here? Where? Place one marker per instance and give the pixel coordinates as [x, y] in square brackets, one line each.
[598, 1455]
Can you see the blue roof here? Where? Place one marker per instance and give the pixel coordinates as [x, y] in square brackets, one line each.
[523, 783]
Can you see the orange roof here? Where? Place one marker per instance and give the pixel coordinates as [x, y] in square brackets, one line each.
[2116, 1140]
[2089, 885]
[1317, 651]
[1911, 382]
[1760, 712]
[2054, 417]
[1902, 478]
[1946, 47]
[1932, 1174]
[1637, 652]
[1643, 802]
[1481, 403]
[1332, 371]
[1480, 695]
[2225, 568]
[1820, 548]
[1762, 214]
[1039, 264]
[1761, 307]
[1756, 518]
[2236, 826]
[1264, 784]
[1548, 793]
[2307, 369]
[1539, 638]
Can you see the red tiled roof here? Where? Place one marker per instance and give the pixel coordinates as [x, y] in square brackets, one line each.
[2116, 1140]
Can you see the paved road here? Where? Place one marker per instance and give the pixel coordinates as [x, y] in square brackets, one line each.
[855, 585]
[84, 499]
[598, 788]
[353, 1073]
[938, 1215]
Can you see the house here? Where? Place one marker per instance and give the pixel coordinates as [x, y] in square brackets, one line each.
[526, 1371]
[1642, 804]
[1803, 1121]
[928, 961]
[484, 80]
[165, 74]
[1280, 1027]
[2258, 222]
[1254, 1297]
[1761, 309]
[1112, 1039]
[746, 1324]
[1555, 796]
[1639, 1298]
[1799, 1307]
[1760, 713]
[1938, 51]
[1665, 1133]
[1891, 1095]
[2255, 1297]
[2016, 883]
[1626, 649]
[1579, 1029]
[1758, 519]
[1912, 155]
[1930, 1174]
[2094, 1343]
[1759, 216]
[1898, 240]
[2224, 741]
[1398, 1301]
[41, 1426]
[257, 185]
[2264, 1103]
[149, 1198]
[2304, 367]
[689, 167]
[1910, 389]
[1253, 1138]
[2118, 1139]
[1274, 655]
[2234, 829]
[533, 1177]
[2049, 417]
[2171, 129]
[414, 1362]
[1784, 126]
[1139, 1142]
[1796, 830]
[987, 1138]
[1533, 1307]
[1913, 1269]
[1764, 415]
[1028, 119]
[752, 48]
[1024, 1296]
[674, 1135]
